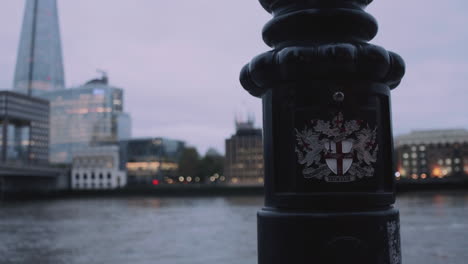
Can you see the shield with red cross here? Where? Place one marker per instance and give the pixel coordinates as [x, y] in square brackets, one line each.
[338, 156]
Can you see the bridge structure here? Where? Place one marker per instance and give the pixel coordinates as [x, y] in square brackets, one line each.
[18, 180]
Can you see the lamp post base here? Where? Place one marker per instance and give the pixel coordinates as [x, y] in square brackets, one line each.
[362, 237]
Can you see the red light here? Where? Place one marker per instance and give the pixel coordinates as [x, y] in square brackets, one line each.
[155, 182]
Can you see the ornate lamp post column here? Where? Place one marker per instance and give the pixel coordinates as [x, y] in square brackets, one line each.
[329, 179]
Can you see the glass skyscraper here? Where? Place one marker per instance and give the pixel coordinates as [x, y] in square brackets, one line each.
[91, 114]
[39, 65]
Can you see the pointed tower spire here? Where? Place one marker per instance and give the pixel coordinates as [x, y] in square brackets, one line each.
[39, 65]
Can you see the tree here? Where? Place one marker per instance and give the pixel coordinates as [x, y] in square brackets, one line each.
[189, 162]
[211, 165]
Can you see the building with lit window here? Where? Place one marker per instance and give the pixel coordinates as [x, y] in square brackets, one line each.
[84, 116]
[24, 129]
[244, 155]
[97, 168]
[429, 154]
[151, 161]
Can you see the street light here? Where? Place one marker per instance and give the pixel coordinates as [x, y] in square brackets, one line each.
[329, 177]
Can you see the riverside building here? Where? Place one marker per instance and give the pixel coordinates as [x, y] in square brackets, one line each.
[151, 161]
[24, 129]
[84, 116]
[97, 167]
[429, 154]
[244, 155]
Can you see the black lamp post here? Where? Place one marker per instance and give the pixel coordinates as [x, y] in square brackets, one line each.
[329, 179]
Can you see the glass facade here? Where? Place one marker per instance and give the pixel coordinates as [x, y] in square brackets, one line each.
[24, 129]
[151, 159]
[84, 116]
[39, 64]
[124, 125]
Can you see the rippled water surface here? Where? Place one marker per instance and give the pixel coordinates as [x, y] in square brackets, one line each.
[197, 230]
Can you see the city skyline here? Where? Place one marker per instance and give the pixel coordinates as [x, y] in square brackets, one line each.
[180, 74]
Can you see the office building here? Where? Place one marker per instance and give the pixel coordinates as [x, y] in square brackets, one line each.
[24, 129]
[97, 167]
[428, 154]
[151, 161]
[83, 116]
[39, 65]
[24, 117]
[244, 155]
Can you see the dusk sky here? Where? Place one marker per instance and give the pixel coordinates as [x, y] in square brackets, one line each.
[179, 61]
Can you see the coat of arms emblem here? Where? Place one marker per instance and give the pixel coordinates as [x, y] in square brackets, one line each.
[337, 150]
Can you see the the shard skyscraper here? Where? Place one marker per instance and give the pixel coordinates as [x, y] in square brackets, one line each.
[39, 65]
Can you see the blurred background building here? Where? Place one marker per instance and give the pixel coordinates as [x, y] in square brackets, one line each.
[84, 116]
[151, 161]
[39, 65]
[432, 154]
[98, 167]
[24, 147]
[244, 155]
[24, 129]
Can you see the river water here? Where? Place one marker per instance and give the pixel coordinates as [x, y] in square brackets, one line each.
[434, 229]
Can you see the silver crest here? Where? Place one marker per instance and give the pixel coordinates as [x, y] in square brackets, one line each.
[337, 150]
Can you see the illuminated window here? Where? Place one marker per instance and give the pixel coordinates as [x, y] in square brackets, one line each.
[413, 148]
[406, 163]
[414, 155]
[456, 160]
[423, 162]
[440, 162]
[448, 161]
[422, 148]
[405, 155]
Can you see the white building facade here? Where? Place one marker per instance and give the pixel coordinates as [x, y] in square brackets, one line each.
[97, 168]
